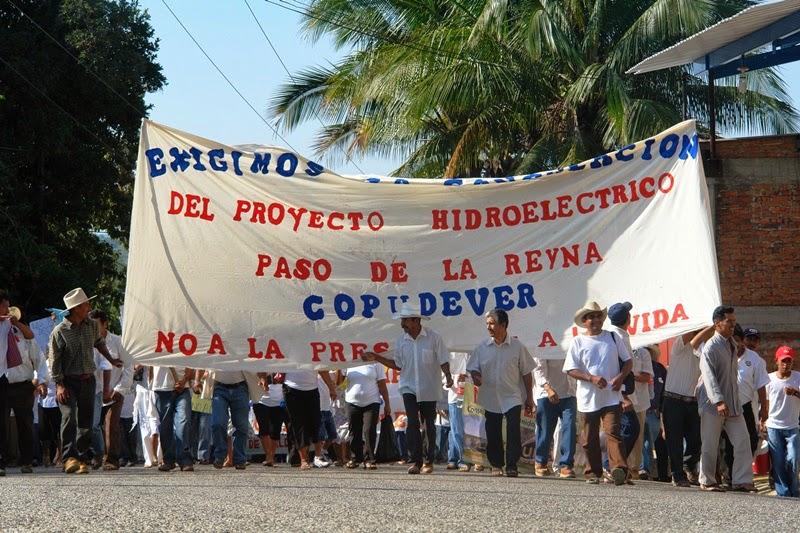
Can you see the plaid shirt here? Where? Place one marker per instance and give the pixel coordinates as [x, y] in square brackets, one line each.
[71, 348]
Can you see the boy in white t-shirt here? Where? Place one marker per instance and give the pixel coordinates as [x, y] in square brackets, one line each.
[783, 392]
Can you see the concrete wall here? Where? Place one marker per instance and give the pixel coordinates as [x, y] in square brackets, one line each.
[755, 189]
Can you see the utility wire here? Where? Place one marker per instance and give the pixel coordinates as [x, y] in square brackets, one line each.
[89, 70]
[44, 95]
[246, 101]
[280, 59]
[305, 10]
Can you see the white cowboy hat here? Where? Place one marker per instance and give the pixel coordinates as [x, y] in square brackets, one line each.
[76, 297]
[409, 311]
[15, 312]
[655, 351]
[589, 307]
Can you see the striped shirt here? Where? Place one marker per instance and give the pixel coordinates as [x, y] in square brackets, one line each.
[684, 369]
[71, 348]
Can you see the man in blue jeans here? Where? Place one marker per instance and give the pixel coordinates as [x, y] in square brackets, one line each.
[555, 398]
[230, 394]
[783, 391]
[174, 406]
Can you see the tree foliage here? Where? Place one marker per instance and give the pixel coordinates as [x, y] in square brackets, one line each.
[68, 143]
[448, 85]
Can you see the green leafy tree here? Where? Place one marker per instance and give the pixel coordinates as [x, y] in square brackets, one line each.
[68, 143]
[454, 87]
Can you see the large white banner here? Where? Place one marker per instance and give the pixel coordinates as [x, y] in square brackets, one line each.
[256, 258]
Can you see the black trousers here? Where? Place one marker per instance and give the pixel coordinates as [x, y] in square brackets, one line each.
[76, 419]
[494, 438]
[304, 416]
[19, 397]
[270, 420]
[363, 427]
[129, 440]
[750, 421]
[50, 429]
[3, 421]
[681, 422]
[414, 437]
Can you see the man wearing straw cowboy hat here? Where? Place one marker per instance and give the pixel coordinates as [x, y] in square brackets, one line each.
[420, 355]
[600, 361]
[72, 363]
[10, 357]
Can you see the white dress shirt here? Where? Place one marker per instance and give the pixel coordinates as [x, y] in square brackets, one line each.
[752, 375]
[684, 369]
[549, 371]
[642, 362]
[162, 378]
[501, 367]
[34, 363]
[122, 377]
[420, 362]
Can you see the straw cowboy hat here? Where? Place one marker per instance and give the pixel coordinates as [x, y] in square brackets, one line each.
[589, 307]
[76, 297]
[409, 311]
[15, 312]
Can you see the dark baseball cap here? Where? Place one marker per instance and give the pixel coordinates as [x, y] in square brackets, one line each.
[752, 332]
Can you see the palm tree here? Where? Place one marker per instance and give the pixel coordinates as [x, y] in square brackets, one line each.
[455, 87]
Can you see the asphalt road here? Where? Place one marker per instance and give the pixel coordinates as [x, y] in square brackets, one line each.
[286, 499]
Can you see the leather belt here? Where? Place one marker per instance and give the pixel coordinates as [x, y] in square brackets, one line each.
[231, 385]
[680, 397]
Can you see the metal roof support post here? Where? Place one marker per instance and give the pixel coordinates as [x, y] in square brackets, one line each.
[712, 116]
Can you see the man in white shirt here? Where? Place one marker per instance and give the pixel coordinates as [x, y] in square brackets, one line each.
[421, 356]
[501, 366]
[679, 411]
[555, 399]
[120, 380]
[752, 379]
[782, 424]
[7, 321]
[23, 382]
[174, 406]
[619, 315]
[594, 360]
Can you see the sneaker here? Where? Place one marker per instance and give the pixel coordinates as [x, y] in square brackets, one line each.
[83, 468]
[644, 475]
[566, 472]
[451, 466]
[427, 468]
[542, 470]
[320, 462]
[619, 476]
[71, 465]
[413, 469]
[26, 469]
[463, 467]
[497, 472]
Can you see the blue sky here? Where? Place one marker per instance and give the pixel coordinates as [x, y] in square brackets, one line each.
[198, 100]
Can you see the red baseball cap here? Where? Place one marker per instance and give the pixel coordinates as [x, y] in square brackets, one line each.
[784, 352]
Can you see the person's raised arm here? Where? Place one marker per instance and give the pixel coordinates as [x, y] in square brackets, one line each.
[703, 336]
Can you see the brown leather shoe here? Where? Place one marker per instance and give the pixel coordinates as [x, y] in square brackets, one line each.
[542, 470]
[71, 465]
[82, 469]
[427, 468]
[566, 472]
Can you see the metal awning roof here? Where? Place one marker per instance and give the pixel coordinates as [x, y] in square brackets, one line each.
[715, 48]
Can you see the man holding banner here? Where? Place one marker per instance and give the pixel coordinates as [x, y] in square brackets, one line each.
[500, 366]
[420, 354]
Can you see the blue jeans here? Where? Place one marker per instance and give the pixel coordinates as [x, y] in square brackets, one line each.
[783, 448]
[547, 415]
[201, 436]
[98, 445]
[455, 454]
[652, 425]
[174, 415]
[236, 399]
